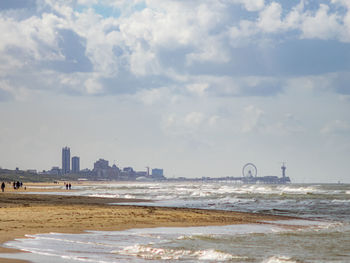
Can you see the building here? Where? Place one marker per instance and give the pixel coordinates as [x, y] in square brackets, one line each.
[101, 164]
[128, 170]
[101, 168]
[75, 164]
[157, 172]
[116, 170]
[55, 170]
[65, 160]
[127, 174]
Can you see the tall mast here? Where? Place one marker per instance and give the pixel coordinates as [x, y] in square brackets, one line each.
[283, 170]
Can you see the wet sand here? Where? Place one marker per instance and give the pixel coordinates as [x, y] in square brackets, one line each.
[38, 213]
[43, 187]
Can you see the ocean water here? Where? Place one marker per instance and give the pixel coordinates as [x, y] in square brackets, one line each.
[321, 235]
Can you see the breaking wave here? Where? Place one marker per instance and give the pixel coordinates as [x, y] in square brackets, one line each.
[153, 253]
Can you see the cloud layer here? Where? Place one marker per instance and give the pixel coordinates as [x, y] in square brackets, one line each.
[111, 47]
[205, 70]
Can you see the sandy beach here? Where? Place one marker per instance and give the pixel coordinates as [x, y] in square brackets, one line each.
[46, 187]
[38, 213]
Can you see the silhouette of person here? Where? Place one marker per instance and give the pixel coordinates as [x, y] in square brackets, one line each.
[66, 186]
[3, 187]
[70, 186]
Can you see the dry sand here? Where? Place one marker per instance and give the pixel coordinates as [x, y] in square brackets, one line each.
[37, 213]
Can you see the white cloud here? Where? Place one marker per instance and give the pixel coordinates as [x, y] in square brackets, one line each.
[190, 125]
[169, 26]
[5, 91]
[270, 18]
[345, 3]
[287, 125]
[344, 98]
[241, 35]
[64, 8]
[211, 50]
[93, 86]
[322, 25]
[101, 37]
[163, 96]
[259, 122]
[227, 86]
[345, 36]
[194, 118]
[336, 127]
[295, 16]
[218, 86]
[330, 83]
[251, 5]
[144, 63]
[198, 88]
[179, 25]
[252, 119]
[37, 37]
[186, 123]
[87, 2]
[140, 42]
[213, 120]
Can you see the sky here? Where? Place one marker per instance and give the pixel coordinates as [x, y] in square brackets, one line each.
[196, 87]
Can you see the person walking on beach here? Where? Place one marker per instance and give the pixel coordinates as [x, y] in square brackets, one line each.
[3, 187]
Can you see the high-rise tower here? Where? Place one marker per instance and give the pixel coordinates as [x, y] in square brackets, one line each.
[75, 164]
[65, 160]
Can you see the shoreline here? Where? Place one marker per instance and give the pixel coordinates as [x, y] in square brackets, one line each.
[39, 213]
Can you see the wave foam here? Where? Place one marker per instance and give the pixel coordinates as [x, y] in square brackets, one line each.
[279, 259]
[215, 255]
[152, 253]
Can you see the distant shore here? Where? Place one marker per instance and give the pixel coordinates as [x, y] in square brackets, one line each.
[39, 213]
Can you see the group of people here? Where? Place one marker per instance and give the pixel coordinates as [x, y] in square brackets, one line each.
[15, 185]
[68, 186]
[18, 184]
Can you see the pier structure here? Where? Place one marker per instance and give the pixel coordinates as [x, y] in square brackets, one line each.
[252, 170]
[250, 176]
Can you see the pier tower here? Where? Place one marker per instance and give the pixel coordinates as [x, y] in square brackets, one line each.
[283, 167]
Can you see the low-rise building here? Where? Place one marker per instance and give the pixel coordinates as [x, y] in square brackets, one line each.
[157, 174]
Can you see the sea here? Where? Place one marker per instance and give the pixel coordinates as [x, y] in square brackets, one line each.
[320, 234]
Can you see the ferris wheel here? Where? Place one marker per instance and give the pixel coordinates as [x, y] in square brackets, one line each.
[249, 170]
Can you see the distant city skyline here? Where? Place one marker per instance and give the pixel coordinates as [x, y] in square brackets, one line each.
[102, 170]
[198, 88]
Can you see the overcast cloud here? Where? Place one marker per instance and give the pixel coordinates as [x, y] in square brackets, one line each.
[198, 88]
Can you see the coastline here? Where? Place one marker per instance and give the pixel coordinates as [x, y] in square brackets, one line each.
[39, 213]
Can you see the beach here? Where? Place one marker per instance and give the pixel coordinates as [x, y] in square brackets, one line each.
[138, 221]
[23, 214]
